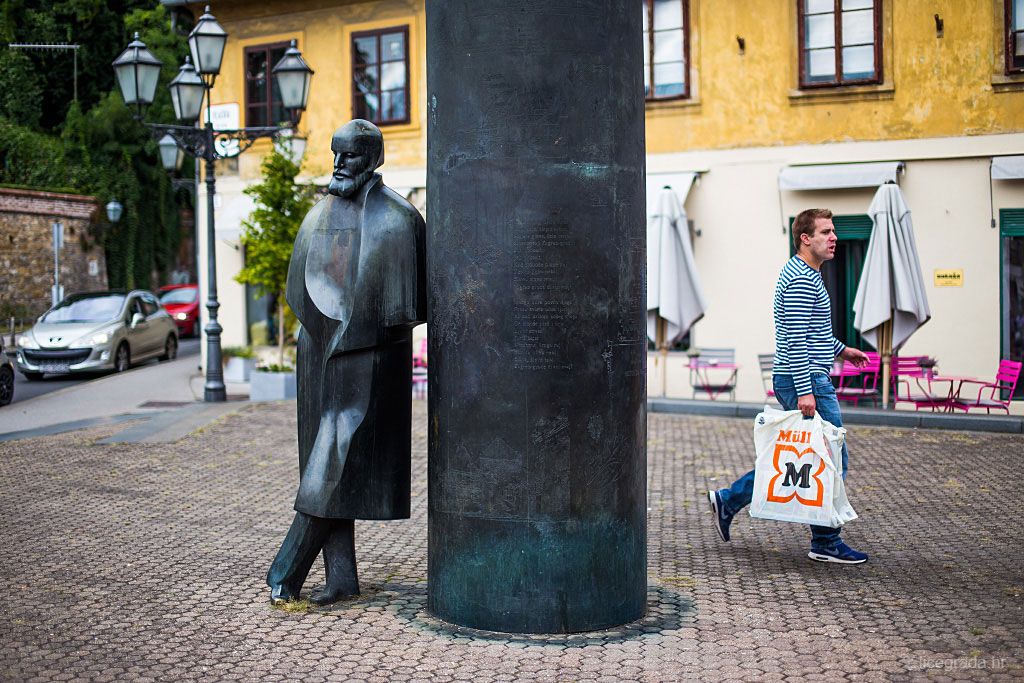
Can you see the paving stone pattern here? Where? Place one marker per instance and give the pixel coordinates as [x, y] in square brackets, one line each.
[147, 562]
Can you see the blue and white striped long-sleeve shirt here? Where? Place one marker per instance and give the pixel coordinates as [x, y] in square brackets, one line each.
[803, 325]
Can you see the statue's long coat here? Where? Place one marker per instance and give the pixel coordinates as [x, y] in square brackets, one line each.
[356, 283]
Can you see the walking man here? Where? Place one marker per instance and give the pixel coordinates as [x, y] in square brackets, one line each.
[804, 351]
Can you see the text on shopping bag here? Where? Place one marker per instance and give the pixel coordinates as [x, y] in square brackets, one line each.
[796, 475]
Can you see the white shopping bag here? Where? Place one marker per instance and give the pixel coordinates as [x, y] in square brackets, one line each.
[798, 475]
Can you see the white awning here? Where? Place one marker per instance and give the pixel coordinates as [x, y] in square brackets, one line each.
[838, 176]
[679, 182]
[1008, 168]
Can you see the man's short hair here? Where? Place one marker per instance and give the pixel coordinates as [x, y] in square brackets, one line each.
[805, 222]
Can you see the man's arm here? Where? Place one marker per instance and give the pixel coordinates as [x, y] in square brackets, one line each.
[837, 347]
[404, 302]
[798, 302]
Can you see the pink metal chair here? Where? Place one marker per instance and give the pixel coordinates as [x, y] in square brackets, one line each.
[767, 363]
[916, 384]
[856, 384]
[989, 393]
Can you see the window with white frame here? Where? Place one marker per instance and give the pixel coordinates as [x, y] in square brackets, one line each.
[667, 49]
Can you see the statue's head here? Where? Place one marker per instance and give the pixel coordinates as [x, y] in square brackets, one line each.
[358, 148]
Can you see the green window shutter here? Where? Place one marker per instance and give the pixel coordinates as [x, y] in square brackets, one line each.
[1011, 222]
[853, 227]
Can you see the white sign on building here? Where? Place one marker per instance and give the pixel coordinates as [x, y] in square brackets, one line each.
[226, 117]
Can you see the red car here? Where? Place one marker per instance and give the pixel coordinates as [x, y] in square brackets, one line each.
[182, 302]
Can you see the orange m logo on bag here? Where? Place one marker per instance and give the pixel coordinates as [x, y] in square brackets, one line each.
[800, 478]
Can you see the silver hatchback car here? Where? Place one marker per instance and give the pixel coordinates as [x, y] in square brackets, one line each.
[97, 331]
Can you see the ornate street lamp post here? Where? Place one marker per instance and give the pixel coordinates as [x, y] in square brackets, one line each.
[137, 71]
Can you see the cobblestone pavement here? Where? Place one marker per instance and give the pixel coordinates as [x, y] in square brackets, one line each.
[132, 561]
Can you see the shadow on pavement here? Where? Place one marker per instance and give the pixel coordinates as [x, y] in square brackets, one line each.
[667, 610]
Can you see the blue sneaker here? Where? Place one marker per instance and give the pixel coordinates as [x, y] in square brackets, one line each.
[843, 554]
[722, 518]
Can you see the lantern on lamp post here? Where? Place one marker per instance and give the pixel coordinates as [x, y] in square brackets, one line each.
[137, 74]
[114, 210]
[137, 71]
[206, 43]
[187, 91]
[293, 78]
[171, 155]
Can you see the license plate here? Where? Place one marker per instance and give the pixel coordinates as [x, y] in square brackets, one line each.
[54, 367]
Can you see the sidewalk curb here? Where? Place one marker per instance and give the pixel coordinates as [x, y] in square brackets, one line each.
[104, 379]
[164, 426]
[861, 416]
[174, 425]
[63, 427]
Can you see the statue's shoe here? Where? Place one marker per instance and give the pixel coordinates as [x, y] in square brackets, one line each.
[330, 596]
[281, 593]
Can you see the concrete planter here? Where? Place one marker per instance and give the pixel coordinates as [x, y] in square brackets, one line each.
[238, 369]
[271, 386]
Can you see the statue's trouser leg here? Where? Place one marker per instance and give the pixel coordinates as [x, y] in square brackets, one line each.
[340, 560]
[303, 543]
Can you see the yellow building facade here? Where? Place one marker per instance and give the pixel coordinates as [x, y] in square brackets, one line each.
[933, 84]
[324, 31]
[744, 97]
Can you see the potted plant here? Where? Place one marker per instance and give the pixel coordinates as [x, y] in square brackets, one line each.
[272, 383]
[267, 238]
[238, 363]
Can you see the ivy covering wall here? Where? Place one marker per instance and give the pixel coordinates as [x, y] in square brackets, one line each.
[94, 146]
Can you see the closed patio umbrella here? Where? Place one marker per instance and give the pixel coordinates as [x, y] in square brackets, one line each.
[891, 302]
[675, 300]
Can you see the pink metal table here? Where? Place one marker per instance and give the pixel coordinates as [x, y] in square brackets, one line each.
[956, 382]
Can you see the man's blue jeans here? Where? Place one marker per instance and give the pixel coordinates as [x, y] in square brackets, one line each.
[738, 496]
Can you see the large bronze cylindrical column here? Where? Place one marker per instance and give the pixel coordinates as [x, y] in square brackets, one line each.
[536, 255]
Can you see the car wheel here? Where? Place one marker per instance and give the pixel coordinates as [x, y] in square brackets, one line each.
[123, 358]
[33, 376]
[170, 348]
[6, 386]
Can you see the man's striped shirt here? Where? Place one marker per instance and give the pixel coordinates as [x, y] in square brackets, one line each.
[803, 325]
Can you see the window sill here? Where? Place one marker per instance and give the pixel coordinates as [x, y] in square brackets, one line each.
[657, 108]
[1008, 82]
[842, 93]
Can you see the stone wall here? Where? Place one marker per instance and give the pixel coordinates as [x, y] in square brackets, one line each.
[26, 249]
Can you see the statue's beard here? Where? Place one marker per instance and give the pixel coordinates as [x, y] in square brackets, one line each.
[346, 187]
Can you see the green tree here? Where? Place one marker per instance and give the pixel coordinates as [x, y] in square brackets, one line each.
[22, 94]
[92, 146]
[100, 27]
[269, 234]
